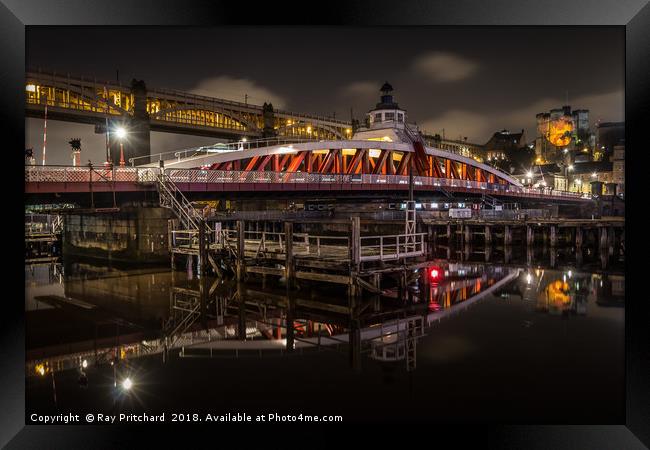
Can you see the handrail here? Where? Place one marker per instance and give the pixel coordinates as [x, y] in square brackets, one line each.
[225, 146]
[184, 210]
[71, 174]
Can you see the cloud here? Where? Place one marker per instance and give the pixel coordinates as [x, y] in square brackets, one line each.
[361, 88]
[608, 106]
[458, 124]
[360, 92]
[236, 89]
[445, 67]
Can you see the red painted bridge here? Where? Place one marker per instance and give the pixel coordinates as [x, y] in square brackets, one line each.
[292, 165]
[67, 179]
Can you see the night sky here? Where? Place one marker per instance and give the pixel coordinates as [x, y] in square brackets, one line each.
[469, 81]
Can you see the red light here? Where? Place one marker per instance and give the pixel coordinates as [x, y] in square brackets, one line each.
[434, 273]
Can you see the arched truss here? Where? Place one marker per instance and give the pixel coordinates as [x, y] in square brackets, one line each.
[215, 117]
[76, 97]
[351, 158]
[307, 130]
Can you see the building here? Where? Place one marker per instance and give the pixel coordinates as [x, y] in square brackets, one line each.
[608, 135]
[618, 161]
[545, 176]
[503, 143]
[561, 131]
[582, 175]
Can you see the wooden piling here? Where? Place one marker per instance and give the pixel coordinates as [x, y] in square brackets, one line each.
[289, 269]
[578, 237]
[241, 248]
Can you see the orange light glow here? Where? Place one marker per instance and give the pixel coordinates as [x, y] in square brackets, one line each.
[560, 130]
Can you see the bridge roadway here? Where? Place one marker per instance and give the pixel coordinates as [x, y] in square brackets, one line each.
[68, 179]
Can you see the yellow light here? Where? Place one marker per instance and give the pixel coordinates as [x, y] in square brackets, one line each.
[288, 122]
[348, 130]
[308, 129]
[40, 369]
[30, 88]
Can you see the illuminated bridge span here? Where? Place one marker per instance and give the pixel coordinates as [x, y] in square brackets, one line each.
[359, 165]
[87, 100]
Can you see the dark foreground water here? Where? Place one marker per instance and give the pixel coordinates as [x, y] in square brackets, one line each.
[536, 340]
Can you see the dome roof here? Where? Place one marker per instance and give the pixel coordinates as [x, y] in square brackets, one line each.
[386, 87]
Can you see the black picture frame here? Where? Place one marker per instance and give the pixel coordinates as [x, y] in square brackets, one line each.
[633, 15]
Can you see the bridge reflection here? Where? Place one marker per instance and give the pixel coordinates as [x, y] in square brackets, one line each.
[221, 318]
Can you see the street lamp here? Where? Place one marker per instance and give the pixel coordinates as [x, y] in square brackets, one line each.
[121, 134]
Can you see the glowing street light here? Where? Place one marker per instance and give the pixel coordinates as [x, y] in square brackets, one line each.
[127, 384]
[121, 134]
[570, 166]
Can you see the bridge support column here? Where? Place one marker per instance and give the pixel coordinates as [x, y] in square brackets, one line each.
[488, 235]
[603, 238]
[553, 232]
[202, 258]
[289, 270]
[241, 249]
[611, 239]
[507, 235]
[468, 235]
[432, 237]
[530, 235]
[355, 243]
[578, 237]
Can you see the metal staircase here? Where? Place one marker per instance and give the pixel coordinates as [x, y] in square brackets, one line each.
[491, 201]
[171, 197]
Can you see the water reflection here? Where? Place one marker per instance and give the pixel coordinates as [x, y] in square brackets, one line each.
[83, 316]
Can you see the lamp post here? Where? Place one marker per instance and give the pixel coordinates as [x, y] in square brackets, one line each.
[121, 134]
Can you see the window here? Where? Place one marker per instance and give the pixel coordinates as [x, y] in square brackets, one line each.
[378, 117]
[389, 116]
[400, 117]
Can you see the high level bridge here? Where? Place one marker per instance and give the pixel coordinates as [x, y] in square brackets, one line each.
[88, 100]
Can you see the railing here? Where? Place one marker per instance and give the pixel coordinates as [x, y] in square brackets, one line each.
[372, 248]
[389, 247]
[85, 174]
[68, 174]
[171, 197]
[216, 148]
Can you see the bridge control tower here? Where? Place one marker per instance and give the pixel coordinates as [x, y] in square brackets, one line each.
[387, 121]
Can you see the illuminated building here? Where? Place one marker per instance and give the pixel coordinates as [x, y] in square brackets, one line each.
[562, 131]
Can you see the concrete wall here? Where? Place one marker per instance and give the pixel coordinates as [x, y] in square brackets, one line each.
[137, 235]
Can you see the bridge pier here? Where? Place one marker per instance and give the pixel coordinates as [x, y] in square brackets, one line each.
[530, 235]
[507, 235]
[241, 248]
[488, 235]
[553, 232]
[578, 237]
[603, 239]
[289, 269]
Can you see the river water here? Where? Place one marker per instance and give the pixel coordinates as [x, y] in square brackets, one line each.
[521, 338]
